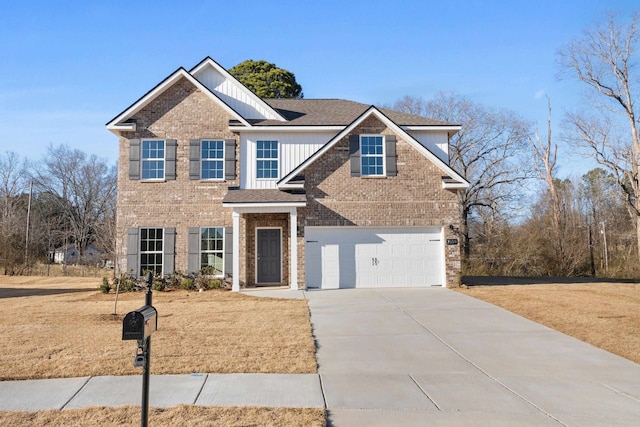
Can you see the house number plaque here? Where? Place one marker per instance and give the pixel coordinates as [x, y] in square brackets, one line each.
[451, 242]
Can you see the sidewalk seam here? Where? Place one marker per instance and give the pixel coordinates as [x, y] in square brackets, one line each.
[206, 378]
[76, 393]
[620, 392]
[425, 393]
[324, 397]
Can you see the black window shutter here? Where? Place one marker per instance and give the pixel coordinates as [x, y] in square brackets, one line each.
[134, 159]
[229, 159]
[390, 155]
[169, 251]
[194, 250]
[194, 159]
[228, 251]
[132, 251]
[354, 154]
[170, 159]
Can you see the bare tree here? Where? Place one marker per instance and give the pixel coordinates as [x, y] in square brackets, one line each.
[546, 155]
[83, 188]
[12, 184]
[608, 221]
[410, 105]
[605, 59]
[12, 210]
[488, 151]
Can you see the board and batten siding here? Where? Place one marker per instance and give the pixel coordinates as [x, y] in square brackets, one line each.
[233, 95]
[436, 142]
[293, 149]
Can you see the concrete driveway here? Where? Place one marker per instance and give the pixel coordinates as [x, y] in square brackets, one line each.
[415, 357]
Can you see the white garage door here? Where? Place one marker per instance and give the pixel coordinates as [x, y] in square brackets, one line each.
[364, 257]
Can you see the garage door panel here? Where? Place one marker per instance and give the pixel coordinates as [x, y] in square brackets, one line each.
[374, 257]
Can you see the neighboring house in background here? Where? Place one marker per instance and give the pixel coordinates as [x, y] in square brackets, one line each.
[304, 193]
[68, 254]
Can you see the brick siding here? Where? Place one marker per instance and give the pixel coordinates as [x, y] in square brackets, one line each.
[182, 112]
[414, 197]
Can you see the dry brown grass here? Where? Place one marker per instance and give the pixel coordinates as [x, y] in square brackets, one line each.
[176, 416]
[606, 315]
[64, 327]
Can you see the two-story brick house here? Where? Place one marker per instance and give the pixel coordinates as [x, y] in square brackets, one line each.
[307, 193]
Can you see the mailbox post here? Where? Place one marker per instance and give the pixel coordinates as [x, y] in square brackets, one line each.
[139, 325]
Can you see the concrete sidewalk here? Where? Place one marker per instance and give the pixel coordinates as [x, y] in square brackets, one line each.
[268, 390]
[415, 357]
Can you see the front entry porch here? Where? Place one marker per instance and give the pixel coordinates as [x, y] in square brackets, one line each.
[265, 249]
[265, 246]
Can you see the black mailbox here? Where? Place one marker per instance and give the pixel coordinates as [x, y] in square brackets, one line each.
[139, 324]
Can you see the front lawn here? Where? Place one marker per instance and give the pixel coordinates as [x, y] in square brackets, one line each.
[64, 327]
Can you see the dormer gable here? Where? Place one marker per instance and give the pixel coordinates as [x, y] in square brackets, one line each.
[212, 79]
[232, 92]
[451, 179]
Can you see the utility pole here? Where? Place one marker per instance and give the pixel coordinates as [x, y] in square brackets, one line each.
[606, 250]
[592, 262]
[26, 244]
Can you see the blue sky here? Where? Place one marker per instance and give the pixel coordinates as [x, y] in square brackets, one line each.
[66, 68]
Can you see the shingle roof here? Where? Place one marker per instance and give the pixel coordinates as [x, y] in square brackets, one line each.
[262, 196]
[334, 112]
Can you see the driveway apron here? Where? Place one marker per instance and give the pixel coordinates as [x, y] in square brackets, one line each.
[434, 356]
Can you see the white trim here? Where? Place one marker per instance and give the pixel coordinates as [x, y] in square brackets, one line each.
[277, 207]
[293, 250]
[117, 122]
[235, 279]
[454, 186]
[161, 252]
[299, 185]
[200, 252]
[452, 128]
[164, 160]
[256, 255]
[381, 156]
[267, 159]
[127, 127]
[443, 252]
[312, 128]
[209, 159]
[283, 183]
[285, 128]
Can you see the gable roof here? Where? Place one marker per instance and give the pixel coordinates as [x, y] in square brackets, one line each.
[120, 122]
[338, 112]
[451, 179]
[250, 112]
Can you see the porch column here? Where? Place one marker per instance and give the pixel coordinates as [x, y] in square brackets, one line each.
[235, 284]
[293, 245]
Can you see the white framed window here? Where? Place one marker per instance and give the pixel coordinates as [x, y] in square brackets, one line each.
[151, 250]
[152, 159]
[267, 159]
[211, 159]
[212, 250]
[372, 155]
